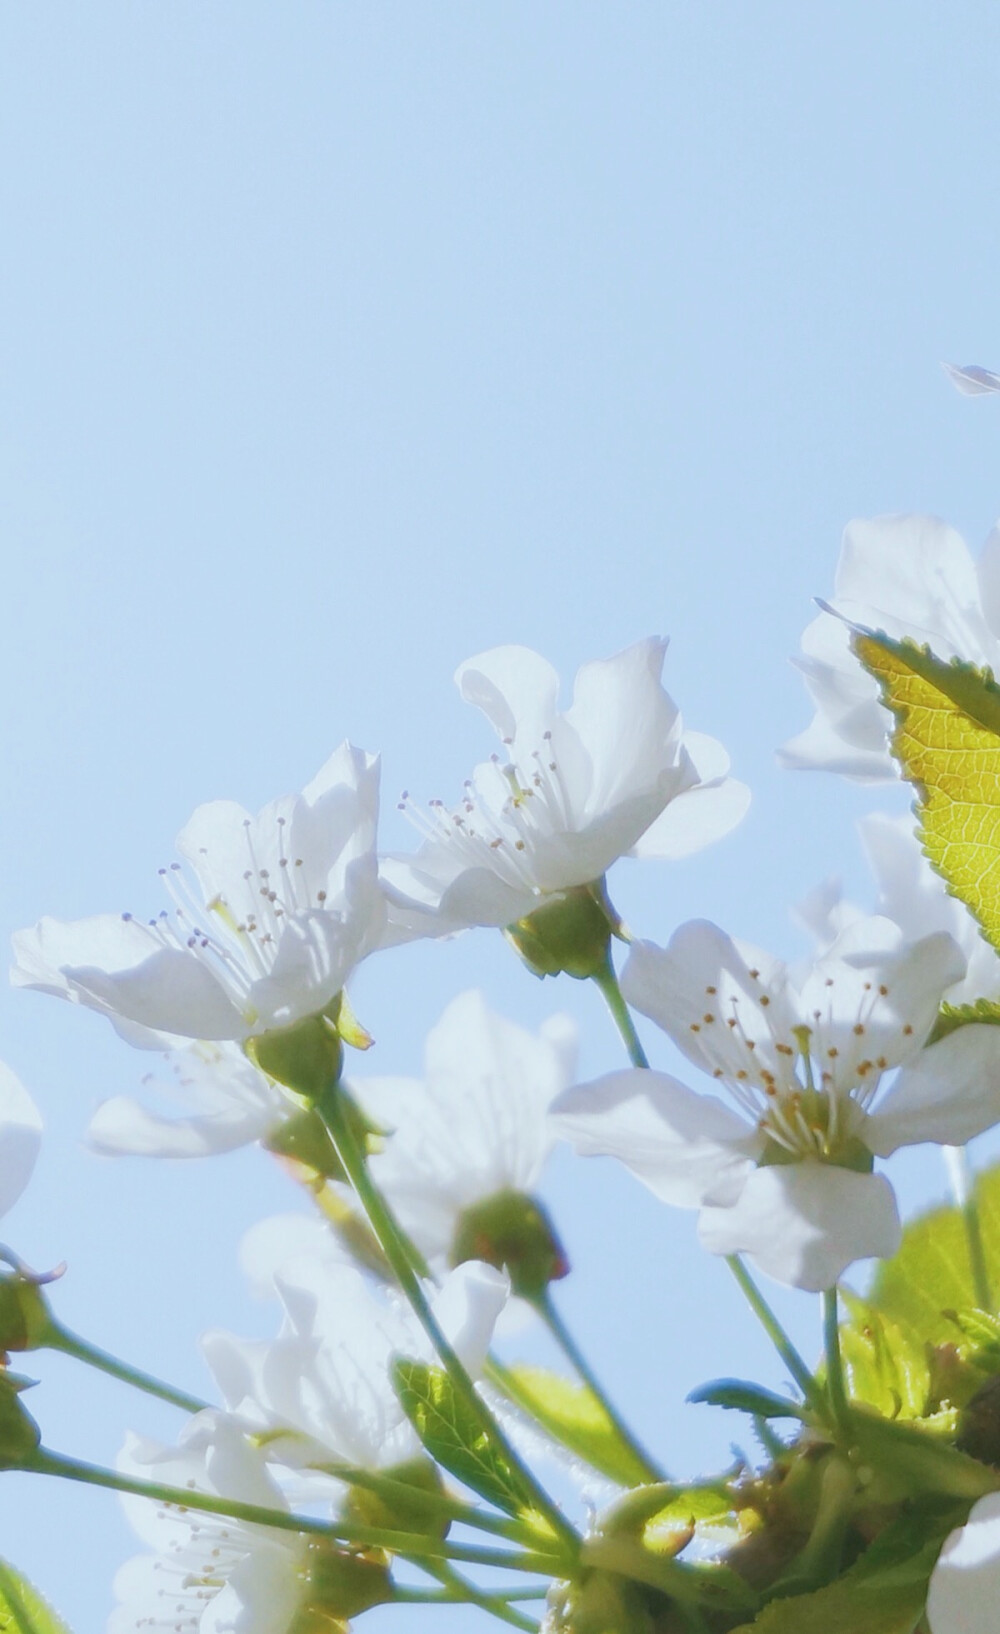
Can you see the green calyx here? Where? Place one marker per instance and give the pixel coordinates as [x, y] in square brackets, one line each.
[25, 1319]
[340, 1584]
[305, 1138]
[848, 1154]
[397, 1510]
[20, 1436]
[570, 933]
[513, 1232]
[308, 1057]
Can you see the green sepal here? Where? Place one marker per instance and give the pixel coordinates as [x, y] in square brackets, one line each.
[20, 1436]
[983, 1013]
[457, 1439]
[570, 933]
[746, 1398]
[902, 1461]
[305, 1138]
[513, 1232]
[340, 1584]
[930, 1277]
[22, 1609]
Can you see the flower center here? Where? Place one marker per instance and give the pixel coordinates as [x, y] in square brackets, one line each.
[501, 818]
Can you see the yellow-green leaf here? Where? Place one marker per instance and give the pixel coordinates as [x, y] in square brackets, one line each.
[572, 1415]
[22, 1609]
[886, 1365]
[457, 1438]
[947, 741]
[931, 1273]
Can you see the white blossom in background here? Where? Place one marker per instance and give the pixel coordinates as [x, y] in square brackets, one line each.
[802, 1056]
[908, 576]
[614, 775]
[965, 1584]
[914, 897]
[326, 1376]
[478, 1123]
[270, 917]
[223, 1102]
[207, 1574]
[971, 379]
[20, 1137]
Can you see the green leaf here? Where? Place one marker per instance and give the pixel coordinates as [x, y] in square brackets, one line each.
[984, 1013]
[886, 1365]
[947, 741]
[745, 1398]
[573, 1416]
[457, 1438]
[930, 1278]
[22, 1609]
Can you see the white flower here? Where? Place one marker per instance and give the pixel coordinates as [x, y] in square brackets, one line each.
[802, 1057]
[971, 379]
[280, 909]
[907, 576]
[230, 1104]
[477, 1126]
[327, 1375]
[965, 1584]
[613, 775]
[20, 1137]
[207, 1574]
[914, 897]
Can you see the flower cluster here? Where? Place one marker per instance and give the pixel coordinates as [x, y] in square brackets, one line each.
[342, 1450]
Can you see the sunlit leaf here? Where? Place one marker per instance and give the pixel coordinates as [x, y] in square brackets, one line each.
[745, 1398]
[886, 1365]
[22, 1609]
[573, 1416]
[931, 1275]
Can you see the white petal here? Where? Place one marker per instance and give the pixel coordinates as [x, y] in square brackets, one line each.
[804, 1223]
[316, 954]
[274, 1242]
[629, 727]
[965, 1584]
[20, 1137]
[515, 688]
[696, 818]
[971, 379]
[685, 1147]
[43, 954]
[468, 1306]
[950, 1093]
[123, 1127]
[170, 991]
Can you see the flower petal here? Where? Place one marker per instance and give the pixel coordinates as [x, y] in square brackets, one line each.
[949, 1094]
[684, 1147]
[804, 1223]
[965, 1584]
[20, 1137]
[169, 991]
[515, 688]
[696, 818]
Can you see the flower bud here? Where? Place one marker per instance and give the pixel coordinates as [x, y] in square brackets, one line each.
[570, 933]
[401, 1512]
[513, 1232]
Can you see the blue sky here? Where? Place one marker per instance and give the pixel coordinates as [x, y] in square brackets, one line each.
[343, 341]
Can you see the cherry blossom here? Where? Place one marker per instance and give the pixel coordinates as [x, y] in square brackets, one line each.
[783, 1169]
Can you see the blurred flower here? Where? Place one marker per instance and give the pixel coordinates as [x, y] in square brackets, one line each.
[971, 379]
[476, 1128]
[327, 1375]
[231, 1104]
[280, 909]
[207, 1573]
[915, 898]
[613, 775]
[965, 1584]
[20, 1137]
[908, 576]
[787, 1176]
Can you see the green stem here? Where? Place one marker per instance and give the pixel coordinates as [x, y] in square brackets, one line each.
[564, 1339]
[463, 1590]
[607, 981]
[59, 1338]
[412, 1545]
[834, 1362]
[772, 1327]
[394, 1246]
